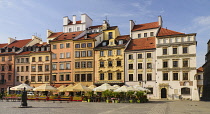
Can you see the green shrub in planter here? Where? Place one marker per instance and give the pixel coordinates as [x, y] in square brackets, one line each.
[116, 101]
[138, 101]
[131, 101]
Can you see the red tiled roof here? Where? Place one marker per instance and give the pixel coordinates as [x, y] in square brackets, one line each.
[145, 26]
[39, 45]
[25, 53]
[2, 45]
[89, 36]
[142, 43]
[67, 36]
[53, 35]
[93, 27]
[167, 32]
[77, 22]
[19, 43]
[124, 37]
[200, 69]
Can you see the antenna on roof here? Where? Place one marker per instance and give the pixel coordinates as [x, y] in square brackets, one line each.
[107, 19]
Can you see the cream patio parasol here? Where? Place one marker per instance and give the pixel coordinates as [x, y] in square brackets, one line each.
[139, 88]
[104, 87]
[61, 87]
[92, 87]
[45, 87]
[80, 87]
[21, 87]
[67, 89]
[124, 89]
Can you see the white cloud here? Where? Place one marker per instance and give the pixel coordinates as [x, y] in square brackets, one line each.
[5, 3]
[202, 20]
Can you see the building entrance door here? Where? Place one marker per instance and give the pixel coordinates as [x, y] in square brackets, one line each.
[163, 93]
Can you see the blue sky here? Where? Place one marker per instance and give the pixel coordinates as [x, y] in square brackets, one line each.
[24, 18]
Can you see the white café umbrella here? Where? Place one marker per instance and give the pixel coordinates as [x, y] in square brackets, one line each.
[45, 87]
[139, 88]
[21, 87]
[124, 89]
[92, 86]
[80, 87]
[67, 89]
[104, 87]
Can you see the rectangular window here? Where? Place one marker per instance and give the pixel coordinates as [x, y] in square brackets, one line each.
[61, 46]
[77, 54]
[10, 58]
[185, 50]
[175, 76]
[61, 55]
[39, 78]
[77, 78]
[130, 66]
[40, 68]
[67, 45]
[139, 56]
[89, 77]
[27, 60]
[185, 76]
[67, 77]
[89, 64]
[89, 53]
[149, 65]
[110, 63]
[145, 34]
[22, 60]
[175, 63]
[140, 77]
[110, 35]
[165, 51]
[18, 69]
[27, 68]
[118, 52]
[139, 35]
[54, 77]
[2, 68]
[46, 58]
[110, 53]
[33, 78]
[83, 53]
[101, 64]
[77, 64]
[26, 77]
[10, 67]
[22, 78]
[165, 76]
[174, 50]
[139, 65]
[119, 76]
[89, 45]
[68, 66]
[67, 54]
[149, 55]
[3, 59]
[46, 78]
[61, 78]
[47, 67]
[40, 58]
[62, 66]
[165, 64]
[185, 63]
[22, 68]
[54, 67]
[130, 77]
[130, 56]
[118, 63]
[18, 60]
[9, 77]
[151, 91]
[33, 59]
[17, 79]
[83, 45]
[101, 76]
[54, 47]
[151, 33]
[33, 68]
[54, 56]
[101, 53]
[83, 63]
[77, 46]
[109, 76]
[149, 77]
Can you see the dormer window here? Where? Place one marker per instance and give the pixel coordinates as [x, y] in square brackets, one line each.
[110, 35]
[120, 42]
[104, 44]
[70, 30]
[78, 28]
[139, 35]
[145, 34]
[151, 33]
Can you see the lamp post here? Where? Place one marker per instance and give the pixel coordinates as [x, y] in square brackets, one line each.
[24, 103]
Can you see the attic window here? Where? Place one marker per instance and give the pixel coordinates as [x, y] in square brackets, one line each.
[65, 35]
[73, 34]
[120, 42]
[104, 44]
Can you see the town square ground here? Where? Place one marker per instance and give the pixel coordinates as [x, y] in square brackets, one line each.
[152, 107]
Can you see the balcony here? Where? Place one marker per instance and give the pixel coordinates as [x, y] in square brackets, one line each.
[2, 81]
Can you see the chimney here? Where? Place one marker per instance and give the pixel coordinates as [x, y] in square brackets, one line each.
[160, 21]
[131, 26]
[65, 20]
[10, 40]
[74, 19]
[49, 32]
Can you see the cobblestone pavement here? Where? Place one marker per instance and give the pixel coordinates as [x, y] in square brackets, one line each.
[152, 107]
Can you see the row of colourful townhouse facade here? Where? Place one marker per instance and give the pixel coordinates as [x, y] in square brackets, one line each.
[154, 57]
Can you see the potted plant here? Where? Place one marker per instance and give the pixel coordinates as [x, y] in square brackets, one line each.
[139, 94]
[89, 95]
[107, 94]
[129, 94]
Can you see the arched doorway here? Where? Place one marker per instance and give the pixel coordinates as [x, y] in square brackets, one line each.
[163, 93]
